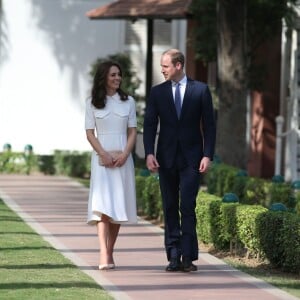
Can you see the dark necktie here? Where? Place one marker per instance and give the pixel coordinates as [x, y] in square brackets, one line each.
[177, 100]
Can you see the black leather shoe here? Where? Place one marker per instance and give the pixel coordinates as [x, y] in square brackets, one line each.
[174, 265]
[187, 265]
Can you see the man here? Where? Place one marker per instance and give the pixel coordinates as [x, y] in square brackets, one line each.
[185, 147]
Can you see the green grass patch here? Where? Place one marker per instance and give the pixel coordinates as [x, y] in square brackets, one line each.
[285, 281]
[30, 268]
[84, 181]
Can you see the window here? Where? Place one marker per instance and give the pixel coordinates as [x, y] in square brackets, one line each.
[135, 33]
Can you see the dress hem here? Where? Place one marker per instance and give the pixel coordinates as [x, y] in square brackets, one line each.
[94, 222]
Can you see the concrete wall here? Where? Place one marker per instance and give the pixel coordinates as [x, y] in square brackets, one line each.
[46, 51]
[44, 79]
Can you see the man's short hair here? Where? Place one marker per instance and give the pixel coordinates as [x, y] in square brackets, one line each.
[176, 56]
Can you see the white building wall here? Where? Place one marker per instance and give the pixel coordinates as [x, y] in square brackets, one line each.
[47, 48]
[44, 77]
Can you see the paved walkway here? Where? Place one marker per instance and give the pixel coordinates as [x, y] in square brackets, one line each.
[55, 207]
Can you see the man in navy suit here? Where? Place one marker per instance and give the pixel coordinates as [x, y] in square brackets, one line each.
[185, 147]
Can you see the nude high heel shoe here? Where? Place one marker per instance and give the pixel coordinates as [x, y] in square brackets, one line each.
[103, 267]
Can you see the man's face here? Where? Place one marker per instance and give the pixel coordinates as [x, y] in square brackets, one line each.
[169, 71]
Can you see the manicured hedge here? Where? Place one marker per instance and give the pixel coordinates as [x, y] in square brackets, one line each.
[69, 163]
[18, 163]
[222, 179]
[263, 233]
[72, 163]
[149, 197]
[279, 234]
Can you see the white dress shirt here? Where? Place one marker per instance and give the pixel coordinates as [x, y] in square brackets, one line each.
[182, 88]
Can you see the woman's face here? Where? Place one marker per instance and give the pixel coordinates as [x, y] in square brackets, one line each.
[114, 78]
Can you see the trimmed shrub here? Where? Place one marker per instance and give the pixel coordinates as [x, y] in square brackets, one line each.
[18, 163]
[220, 179]
[256, 192]
[281, 193]
[279, 234]
[290, 233]
[228, 222]
[140, 182]
[46, 164]
[152, 198]
[208, 219]
[247, 229]
[72, 163]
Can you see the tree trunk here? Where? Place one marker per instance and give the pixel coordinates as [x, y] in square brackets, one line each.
[231, 130]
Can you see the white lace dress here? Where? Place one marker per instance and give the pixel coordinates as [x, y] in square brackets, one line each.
[112, 190]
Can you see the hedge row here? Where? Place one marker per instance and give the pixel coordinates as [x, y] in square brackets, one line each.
[253, 228]
[222, 179]
[69, 163]
[263, 233]
[17, 162]
[149, 197]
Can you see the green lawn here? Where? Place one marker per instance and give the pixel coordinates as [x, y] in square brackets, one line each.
[30, 268]
[282, 280]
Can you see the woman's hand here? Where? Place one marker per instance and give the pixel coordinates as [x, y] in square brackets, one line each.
[106, 159]
[120, 159]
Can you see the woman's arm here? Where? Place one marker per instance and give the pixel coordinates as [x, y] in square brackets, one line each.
[105, 156]
[131, 139]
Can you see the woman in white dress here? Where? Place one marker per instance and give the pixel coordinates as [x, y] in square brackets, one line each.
[110, 123]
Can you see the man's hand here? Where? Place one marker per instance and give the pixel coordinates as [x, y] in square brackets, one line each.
[204, 164]
[152, 163]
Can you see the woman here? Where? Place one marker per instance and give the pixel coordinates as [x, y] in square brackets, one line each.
[112, 198]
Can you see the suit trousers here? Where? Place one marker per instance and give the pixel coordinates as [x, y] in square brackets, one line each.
[179, 188]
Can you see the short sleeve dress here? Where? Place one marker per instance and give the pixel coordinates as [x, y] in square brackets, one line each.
[112, 190]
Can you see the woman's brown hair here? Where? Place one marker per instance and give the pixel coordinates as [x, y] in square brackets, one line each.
[99, 92]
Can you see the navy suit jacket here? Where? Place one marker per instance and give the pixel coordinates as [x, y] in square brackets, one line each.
[195, 131]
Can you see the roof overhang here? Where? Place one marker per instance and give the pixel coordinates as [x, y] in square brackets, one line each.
[142, 9]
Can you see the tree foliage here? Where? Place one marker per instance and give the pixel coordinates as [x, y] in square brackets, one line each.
[205, 33]
[263, 21]
[234, 34]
